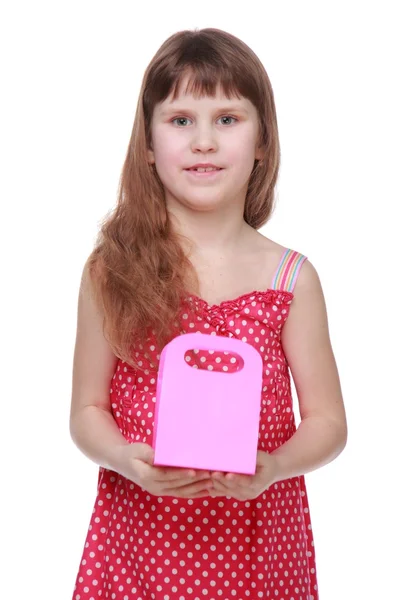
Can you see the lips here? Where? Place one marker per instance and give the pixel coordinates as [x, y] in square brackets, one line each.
[204, 169]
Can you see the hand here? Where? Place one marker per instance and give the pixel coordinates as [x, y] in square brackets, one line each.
[135, 462]
[246, 487]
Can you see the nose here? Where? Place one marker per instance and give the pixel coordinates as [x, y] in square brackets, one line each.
[204, 140]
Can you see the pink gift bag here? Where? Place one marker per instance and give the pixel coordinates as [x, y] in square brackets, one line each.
[207, 419]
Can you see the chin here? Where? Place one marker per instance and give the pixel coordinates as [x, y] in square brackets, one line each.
[204, 206]
[198, 204]
[205, 201]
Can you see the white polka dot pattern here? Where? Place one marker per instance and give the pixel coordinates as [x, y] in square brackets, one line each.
[141, 546]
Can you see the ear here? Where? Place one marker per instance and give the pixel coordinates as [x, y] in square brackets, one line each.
[260, 149]
[150, 156]
[259, 153]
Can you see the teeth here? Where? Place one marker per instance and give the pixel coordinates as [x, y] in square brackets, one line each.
[202, 170]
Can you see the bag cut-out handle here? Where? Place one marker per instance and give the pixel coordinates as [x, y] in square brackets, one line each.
[222, 361]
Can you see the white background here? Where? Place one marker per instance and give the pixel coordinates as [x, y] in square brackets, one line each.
[71, 73]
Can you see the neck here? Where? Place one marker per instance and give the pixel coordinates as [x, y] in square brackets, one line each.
[210, 236]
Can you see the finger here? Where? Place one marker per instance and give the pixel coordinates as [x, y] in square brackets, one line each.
[155, 475]
[220, 479]
[231, 490]
[237, 480]
[232, 480]
[220, 489]
[180, 483]
[191, 489]
[175, 474]
[220, 486]
[172, 473]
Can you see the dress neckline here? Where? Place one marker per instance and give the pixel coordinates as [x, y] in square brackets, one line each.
[243, 298]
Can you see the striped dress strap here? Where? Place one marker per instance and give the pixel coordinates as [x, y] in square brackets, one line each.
[288, 270]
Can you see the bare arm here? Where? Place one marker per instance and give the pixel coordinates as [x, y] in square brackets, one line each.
[92, 426]
[322, 433]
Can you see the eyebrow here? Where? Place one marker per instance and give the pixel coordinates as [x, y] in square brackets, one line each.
[224, 109]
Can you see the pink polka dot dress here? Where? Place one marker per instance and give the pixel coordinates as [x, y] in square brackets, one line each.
[142, 547]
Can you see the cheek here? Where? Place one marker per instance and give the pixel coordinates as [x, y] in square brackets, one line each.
[169, 152]
[241, 158]
[241, 151]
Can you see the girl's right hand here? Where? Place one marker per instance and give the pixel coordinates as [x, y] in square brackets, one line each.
[135, 462]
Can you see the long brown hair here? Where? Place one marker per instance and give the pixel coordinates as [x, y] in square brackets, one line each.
[139, 271]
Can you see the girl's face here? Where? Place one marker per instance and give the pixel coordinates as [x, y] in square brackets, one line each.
[216, 130]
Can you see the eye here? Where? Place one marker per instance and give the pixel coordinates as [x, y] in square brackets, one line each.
[186, 119]
[179, 119]
[229, 117]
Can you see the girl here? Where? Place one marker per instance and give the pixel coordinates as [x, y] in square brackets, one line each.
[181, 253]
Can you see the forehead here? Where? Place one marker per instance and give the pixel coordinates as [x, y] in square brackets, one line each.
[186, 98]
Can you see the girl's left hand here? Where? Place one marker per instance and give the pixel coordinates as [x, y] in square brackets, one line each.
[246, 487]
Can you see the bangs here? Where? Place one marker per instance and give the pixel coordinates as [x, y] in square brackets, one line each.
[203, 80]
[200, 80]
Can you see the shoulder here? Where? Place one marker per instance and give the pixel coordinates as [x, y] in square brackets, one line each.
[308, 305]
[308, 294]
[308, 313]
[307, 277]
[297, 274]
[276, 255]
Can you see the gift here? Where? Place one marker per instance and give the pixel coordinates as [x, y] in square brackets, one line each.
[208, 419]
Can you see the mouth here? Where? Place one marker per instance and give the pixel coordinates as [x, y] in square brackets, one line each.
[204, 169]
[202, 173]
